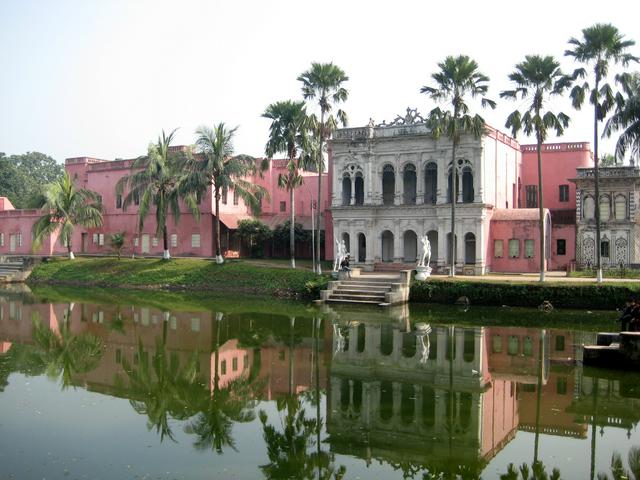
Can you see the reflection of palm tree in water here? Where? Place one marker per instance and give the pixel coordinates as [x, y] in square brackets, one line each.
[290, 448]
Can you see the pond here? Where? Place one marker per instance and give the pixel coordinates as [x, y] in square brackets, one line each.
[111, 385]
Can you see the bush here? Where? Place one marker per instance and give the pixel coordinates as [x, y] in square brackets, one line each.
[606, 297]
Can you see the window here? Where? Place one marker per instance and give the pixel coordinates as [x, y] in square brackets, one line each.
[135, 242]
[514, 248]
[195, 324]
[564, 193]
[245, 361]
[605, 208]
[174, 240]
[514, 345]
[1, 239]
[283, 206]
[527, 348]
[225, 192]
[531, 200]
[118, 356]
[497, 344]
[588, 208]
[101, 239]
[19, 239]
[561, 246]
[498, 248]
[95, 238]
[154, 241]
[195, 240]
[560, 343]
[620, 208]
[234, 364]
[235, 197]
[529, 245]
[118, 201]
[604, 248]
[223, 367]
[561, 386]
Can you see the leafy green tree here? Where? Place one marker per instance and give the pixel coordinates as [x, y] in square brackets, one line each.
[117, 241]
[24, 177]
[288, 133]
[255, 233]
[537, 471]
[457, 78]
[618, 472]
[66, 207]
[537, 79]
[608, 160]
[324, 82]
[601, 44]
[218, 168]
[158, 180]
[627, 118]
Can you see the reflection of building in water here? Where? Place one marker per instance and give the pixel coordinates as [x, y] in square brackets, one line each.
[382, 394]
[129, 333]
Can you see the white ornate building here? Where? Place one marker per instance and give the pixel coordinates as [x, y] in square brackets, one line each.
[619, 216]
[391, 184]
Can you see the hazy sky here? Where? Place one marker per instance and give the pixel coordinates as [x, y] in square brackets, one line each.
[103, 77]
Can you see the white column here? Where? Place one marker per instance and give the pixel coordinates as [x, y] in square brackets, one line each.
[353, 191]
[397, 240]
[419, 184]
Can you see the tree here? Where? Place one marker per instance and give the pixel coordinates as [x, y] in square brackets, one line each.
[158, 179]
[24, 177]
[537, 79]
[288, 133]
[117, 242]
[627, 118]
[608, 160]
[458, 77]
[66, 207]
[218, 168]
[323, 81]
[601, 44]
[255, 233]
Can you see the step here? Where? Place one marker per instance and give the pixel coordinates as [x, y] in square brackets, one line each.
[366, 284]
[363, 298]
[355, 302]
[357, 292]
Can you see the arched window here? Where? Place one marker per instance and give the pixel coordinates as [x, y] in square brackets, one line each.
[388, 185]
[359, 187]
[387, 246]
[409, 184]
[430, 183]
[621, 207]
[347, 241]
[467, 185]
[588, 208]
[605, 208]
[470, 248]
[432, 235]
[346, 190]
[410, 246]
[362, 247]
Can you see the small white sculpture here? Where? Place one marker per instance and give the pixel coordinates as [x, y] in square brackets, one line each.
[426, 251]
[338, 340]
[341, 253]
[422, 332]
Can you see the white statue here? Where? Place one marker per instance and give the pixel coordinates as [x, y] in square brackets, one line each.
[422, 332]
[341, 253]
[426, 252]
[338, 339]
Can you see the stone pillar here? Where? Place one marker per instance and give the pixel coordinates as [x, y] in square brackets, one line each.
[397, 241]
[459, 182]
[353, 191]
[397, 198]
[478, 178]
[419, 184]
[481, 247]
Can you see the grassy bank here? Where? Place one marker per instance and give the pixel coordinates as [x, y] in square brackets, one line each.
[235, 276]
[525, 294]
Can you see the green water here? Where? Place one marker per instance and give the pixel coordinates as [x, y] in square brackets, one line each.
[109, 385]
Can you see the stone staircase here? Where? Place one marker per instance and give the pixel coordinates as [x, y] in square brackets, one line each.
[14, 269]
[368, 289]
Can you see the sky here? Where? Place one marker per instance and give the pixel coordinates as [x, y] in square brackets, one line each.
[103, 78]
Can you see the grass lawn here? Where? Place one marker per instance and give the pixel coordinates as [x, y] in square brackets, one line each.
[183, 273]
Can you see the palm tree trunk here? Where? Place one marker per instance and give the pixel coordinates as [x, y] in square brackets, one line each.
[454, 199]
[540, 207]
[292, 235]
[597, 184]
[69, 250]
[216, 232]
[165, 240]
[319, 206]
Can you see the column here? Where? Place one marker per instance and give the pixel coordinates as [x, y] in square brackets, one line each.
[419, 184]
[353, 191]
[397, 198]
[397, 240]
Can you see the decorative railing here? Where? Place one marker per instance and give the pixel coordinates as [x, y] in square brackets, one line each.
[557, 147]
[609, 172]
[360, 133]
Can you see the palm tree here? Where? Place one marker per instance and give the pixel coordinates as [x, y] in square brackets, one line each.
[117, 242]
[288, 133]
[158, 179]
[66, 207]
[627, 118]
[458, 77]
[600, 44]
[323, 81]
[537, 79]
[216, 166]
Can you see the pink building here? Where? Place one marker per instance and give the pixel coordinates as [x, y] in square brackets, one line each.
[188, 238]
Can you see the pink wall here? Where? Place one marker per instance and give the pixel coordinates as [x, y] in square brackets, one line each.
[559, 163]
[567, 233]
[523, 226]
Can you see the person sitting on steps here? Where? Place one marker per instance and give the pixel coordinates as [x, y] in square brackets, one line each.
[344, 266]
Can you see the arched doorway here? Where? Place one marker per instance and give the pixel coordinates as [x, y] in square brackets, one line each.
[455, 247]
[346, 190]
[470, 248]
[432, 235]
[387, 246]
[359, 187]
[409, 184]
[388, 185]
[362, 247]
[410, 246]
[347, 241]
[430, 183]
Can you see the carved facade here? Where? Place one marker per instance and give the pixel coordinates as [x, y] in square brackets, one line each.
[618, 204]
[391, 183]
